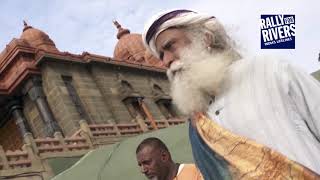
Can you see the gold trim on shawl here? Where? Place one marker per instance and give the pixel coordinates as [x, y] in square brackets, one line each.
[247, 159]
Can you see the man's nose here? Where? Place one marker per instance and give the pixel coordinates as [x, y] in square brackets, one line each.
[143, 169]
[168, 58]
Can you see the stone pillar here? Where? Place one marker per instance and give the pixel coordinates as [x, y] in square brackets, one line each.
[85, 127]
[4, 159]
[15, 109]
[86, 132]
[33, 88]
[59, 136]
[29, 140]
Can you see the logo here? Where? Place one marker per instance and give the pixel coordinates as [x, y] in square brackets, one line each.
[277, 31]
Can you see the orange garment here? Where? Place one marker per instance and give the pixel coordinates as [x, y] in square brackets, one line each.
[188, 172]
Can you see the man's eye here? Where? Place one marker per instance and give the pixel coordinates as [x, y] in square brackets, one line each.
[168, 45]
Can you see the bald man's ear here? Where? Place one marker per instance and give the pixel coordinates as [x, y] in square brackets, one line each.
[164, 156]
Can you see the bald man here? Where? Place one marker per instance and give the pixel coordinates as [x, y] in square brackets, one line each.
[155, 162]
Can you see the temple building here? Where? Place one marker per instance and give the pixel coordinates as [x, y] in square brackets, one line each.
[47, 94]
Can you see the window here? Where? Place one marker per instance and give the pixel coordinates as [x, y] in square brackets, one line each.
[126, 87]
[157, 89]
[134, 107]
[166, 108]
[164, 102]
[75, 97]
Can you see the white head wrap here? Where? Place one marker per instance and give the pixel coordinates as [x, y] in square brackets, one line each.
[167, 19]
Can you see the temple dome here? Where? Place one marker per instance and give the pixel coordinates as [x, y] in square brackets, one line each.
[130, 48]
[37, 38]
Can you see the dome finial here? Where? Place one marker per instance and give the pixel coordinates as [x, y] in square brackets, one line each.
[25, 23]
[115, 22]
[26, 26]
[121, 31]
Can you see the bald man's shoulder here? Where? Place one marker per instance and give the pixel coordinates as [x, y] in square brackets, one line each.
[188, 172]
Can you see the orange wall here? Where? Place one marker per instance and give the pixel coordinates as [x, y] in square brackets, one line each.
[10, 137]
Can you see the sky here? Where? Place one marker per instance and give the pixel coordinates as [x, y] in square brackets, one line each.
[86, 25]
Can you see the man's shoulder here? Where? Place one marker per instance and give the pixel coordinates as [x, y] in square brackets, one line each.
[190, 166]
[263, 60]
[260, 64]
[190, 171]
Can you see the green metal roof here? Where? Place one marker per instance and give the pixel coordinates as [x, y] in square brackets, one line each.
[118, 161]
[316, 74]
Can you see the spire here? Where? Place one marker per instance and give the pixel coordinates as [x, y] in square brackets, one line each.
[26, 26]
[115, 22]
[121, 31]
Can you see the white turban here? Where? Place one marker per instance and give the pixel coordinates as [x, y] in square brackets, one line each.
[165, 20]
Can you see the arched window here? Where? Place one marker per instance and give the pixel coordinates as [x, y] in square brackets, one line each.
[126, 86]
[134, 107]
[158, 89]
[131, 100]
[166, 108]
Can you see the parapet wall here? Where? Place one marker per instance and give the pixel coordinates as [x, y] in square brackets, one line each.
[30, 161]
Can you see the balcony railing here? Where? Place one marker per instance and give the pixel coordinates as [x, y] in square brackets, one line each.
[87, 137]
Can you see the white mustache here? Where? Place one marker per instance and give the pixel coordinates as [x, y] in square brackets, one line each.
[175, 67]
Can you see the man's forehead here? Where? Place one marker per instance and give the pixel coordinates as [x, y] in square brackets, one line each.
[168, 35]
[146, 150]
[170, 31]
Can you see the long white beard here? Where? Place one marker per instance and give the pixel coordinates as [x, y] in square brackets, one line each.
[196, 78]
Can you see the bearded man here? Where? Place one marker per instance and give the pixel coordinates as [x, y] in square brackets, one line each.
[253, 118]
